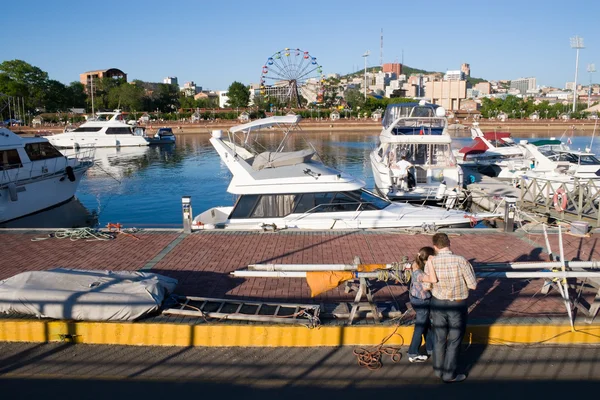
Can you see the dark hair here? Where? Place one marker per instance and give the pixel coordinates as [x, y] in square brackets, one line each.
[423, 255]
[441, 240]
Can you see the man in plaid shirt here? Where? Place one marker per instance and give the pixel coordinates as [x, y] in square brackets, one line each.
[454, 277]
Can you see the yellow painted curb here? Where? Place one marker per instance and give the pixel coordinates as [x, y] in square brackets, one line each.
[155, 334]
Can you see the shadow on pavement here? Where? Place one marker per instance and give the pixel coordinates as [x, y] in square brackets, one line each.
[115, 389]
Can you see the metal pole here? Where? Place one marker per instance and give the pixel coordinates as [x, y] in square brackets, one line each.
[354, 267]
[575, 85]
[509, 213]
[365, 78]
[591, 69]
[186, 208]
[480, 274]
[576, 43]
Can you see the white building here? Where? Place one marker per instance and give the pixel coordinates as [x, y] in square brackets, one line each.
[523, 84]
[223, 99]
[190, 89]
[455, 75]
[559, 94]
[170, 80]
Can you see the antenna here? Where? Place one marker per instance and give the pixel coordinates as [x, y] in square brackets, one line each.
[381, 49]
[402, 56]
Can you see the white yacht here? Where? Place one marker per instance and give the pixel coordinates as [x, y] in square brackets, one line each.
[107, 129]
[292, 189]
[419, 132]
[35, 176]
[494, 154]
[551, 160]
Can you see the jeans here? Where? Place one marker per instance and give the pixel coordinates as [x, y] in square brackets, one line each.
[449, 320]
[422, 327]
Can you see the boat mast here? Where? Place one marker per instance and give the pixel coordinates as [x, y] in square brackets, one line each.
[92, 91]
[593, 133]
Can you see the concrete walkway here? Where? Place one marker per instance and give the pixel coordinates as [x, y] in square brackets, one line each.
[65, 371]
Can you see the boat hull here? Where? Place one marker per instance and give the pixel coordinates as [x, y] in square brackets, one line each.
[38, 194]
[401, 216]
[72, 140]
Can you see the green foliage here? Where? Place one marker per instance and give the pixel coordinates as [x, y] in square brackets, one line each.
[238, 94]
[354, 98]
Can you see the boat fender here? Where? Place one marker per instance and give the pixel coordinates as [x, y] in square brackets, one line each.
[70, 173]
[12, 191]
[560, 200]
[441, 190]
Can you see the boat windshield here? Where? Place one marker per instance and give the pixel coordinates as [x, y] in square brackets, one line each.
[502, 143]
[588, 160]
[582, 159]
[425, 154]
[281, 205]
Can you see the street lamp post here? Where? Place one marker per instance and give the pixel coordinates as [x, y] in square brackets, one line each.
[576, 43]
[367, 53]
[591, 68]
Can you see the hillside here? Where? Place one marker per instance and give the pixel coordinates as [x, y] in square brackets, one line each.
[408, 71]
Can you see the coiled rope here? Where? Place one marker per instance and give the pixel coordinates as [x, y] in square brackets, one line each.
[88, 234]
[371, 358]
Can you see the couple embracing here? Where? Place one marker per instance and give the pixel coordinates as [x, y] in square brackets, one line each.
[438, 293]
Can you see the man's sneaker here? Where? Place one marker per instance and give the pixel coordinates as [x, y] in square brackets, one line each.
[418, 359]
[459, 378]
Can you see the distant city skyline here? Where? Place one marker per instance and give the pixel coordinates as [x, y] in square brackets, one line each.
[214, 44]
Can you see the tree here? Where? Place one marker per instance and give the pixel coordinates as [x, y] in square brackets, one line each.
[166, 98]
[127, 97]
[76, 94]
[354, 98]
[30, 81]
[239, 95]
[56, 97]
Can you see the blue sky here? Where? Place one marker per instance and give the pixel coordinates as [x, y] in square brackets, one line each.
[214, 43]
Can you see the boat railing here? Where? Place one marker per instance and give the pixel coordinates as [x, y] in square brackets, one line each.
[417, 122]
[335, 207]
[33, 170]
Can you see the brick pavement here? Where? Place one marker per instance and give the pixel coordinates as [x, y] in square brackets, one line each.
[202, 263]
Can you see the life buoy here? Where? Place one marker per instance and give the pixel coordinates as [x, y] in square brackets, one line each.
[70, 173]
[560, 200]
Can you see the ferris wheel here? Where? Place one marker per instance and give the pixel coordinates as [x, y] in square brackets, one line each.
[292, 77]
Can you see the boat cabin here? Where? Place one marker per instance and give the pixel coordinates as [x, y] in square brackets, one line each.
[165, 132]
[424, 156]
[282, 205]
[414, 119]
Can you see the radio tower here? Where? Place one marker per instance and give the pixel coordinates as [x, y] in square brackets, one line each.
[381, 49]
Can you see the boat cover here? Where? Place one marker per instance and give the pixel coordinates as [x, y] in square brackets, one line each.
[273, 159]
[85, 295]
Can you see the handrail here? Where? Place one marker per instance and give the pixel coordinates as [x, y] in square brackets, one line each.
[583, 196]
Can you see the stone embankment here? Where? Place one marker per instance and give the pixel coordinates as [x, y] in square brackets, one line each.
[459, 128]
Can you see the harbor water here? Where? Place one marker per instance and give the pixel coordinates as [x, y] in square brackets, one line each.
[142, 186]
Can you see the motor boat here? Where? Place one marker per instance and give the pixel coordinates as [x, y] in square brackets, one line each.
[555, 162]
[107, 129]
[35, 175]
[285, 189]
[163, 136]
[493, 154]
[419, 132]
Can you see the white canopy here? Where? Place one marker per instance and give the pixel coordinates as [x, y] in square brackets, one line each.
[266, 123]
